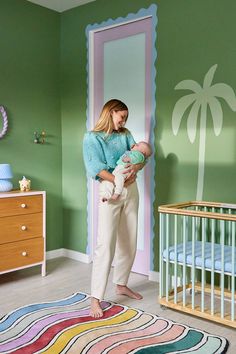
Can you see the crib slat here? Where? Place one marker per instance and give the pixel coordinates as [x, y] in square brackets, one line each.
[193, 260]
[167, 257]
[175, 261]
[213, 222]
[184, 260]
[203, 264]
[233, 271]
[161, 264]
[228, 242]
[222, 279]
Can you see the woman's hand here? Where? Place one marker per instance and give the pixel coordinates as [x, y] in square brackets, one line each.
[130, 180]
[132, 169]
[131, 173]
[107, 176]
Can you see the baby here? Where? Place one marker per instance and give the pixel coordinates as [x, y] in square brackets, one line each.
[138, 154]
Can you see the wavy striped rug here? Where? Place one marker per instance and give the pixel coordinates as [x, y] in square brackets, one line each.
[64, 326]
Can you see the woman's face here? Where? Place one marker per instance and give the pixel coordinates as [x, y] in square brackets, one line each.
[119, 119]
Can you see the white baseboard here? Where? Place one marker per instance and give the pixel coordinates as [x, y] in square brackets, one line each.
[153, 276]
[63, 252]
[85, 258]
[77, 256]
[55, 253]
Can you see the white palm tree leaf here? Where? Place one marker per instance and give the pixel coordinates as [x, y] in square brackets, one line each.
[226, 92]
[192, 121]
[180, 107]
[217, 114]
[209, 76]
[188, 85]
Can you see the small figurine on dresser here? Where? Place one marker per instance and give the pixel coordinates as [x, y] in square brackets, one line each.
[25, 184]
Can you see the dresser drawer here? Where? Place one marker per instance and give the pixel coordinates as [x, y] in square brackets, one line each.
[21, 205]
[21, 227]
[20, 254]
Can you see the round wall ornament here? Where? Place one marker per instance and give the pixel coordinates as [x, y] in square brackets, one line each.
[3, 130]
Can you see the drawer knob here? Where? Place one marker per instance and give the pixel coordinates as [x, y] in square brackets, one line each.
[24, 254]
[23, 205]
[23, 227]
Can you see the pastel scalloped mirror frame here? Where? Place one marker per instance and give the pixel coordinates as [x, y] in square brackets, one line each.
[4, 122]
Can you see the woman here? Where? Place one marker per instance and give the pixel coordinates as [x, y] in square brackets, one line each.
[117, 220]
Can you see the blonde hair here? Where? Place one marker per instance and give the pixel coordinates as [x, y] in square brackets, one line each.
[105, 121]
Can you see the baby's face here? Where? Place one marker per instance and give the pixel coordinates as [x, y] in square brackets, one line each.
[142, 147]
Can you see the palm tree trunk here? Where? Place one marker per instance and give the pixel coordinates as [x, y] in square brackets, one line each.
[201, 156]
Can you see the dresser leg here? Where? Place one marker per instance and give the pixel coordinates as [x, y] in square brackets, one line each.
[43, 269]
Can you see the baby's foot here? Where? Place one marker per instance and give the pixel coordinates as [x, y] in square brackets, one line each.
[124, 290]
[95, 309]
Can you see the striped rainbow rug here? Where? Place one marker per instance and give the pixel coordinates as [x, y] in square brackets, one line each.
[64, 326]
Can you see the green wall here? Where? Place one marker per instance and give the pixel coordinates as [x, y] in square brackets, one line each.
[43, 65]
[30, 91]
[192, 35]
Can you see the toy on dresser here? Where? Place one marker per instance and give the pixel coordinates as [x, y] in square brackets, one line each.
[25, 184]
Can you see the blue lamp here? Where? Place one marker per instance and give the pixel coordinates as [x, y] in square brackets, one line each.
[5, 175]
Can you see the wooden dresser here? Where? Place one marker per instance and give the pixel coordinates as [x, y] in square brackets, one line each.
[22, 230]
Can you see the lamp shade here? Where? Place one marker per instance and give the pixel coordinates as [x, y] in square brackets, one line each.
[5, 171]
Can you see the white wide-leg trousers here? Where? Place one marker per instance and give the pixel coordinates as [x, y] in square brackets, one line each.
[117, 234]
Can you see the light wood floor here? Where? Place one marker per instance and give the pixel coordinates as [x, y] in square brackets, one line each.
[66, 276]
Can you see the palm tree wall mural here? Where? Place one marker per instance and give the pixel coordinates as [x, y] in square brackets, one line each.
[198, 102]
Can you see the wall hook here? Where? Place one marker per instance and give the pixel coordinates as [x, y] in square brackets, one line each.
[39, 138]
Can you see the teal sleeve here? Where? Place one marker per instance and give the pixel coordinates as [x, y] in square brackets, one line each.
[94, 158]
[130, 140]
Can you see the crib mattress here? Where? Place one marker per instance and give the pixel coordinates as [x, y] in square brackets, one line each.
[198, 256]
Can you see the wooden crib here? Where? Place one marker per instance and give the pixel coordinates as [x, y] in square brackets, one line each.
[197, 259]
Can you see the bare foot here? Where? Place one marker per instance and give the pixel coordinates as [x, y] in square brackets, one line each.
[124, 290]
[95, 309]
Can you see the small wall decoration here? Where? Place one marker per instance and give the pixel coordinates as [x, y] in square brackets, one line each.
[39, 138]
[4, 122]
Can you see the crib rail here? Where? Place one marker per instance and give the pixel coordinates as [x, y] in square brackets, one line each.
[201, 209]
[197, 259]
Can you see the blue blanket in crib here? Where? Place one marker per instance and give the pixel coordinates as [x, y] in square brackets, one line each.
[207, 257]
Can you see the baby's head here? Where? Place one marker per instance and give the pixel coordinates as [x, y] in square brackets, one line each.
[143, 147]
